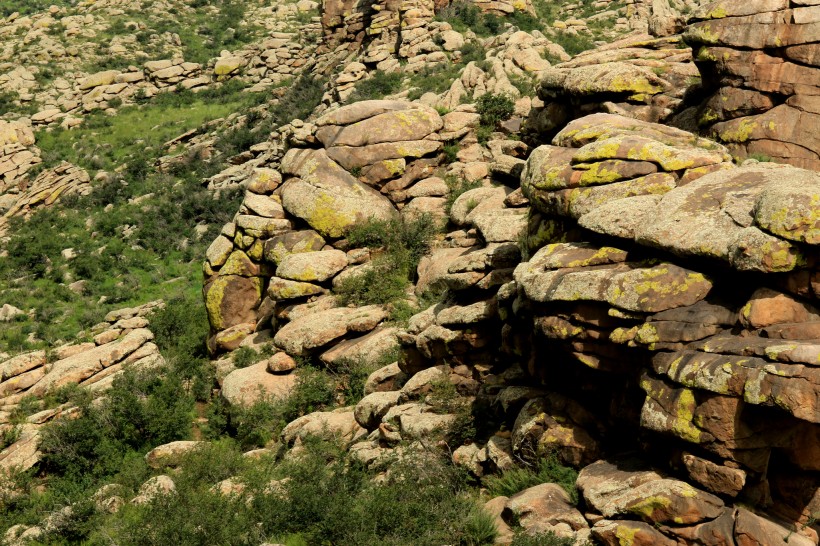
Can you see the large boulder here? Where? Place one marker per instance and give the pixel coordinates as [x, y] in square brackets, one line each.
[326, 196]
[245, 386]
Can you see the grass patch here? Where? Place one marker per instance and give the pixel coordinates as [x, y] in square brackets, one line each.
[457, 187]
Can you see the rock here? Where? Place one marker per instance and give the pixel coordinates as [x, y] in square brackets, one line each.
[543, 509]
[171, 454]
[245, 386]
[312, 266]
[370, 409]
[232, 300]
[377, 122]
[555, 424]
[339, 425]
[767, 307]
[284, 289]
[374, 346]
[326, 196]
[759, 83]
[452, 40]
[645, 495]
[292, 242]
[153, 488]
[612, 533]
[9, 312]
[305, 334]
[388, 378]
[753, 530]
[99, 79]
[719, 479]
[280, 363]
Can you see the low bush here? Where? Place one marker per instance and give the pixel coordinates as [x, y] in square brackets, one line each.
[494, 108]
[401, 243]
[378, 86]
[141, 410]
[457, 187]
[548, 470]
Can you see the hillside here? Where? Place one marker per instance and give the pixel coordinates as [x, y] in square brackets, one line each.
[413, 273]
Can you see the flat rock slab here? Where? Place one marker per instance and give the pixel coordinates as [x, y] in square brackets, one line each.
[245, 386]
[316, 330]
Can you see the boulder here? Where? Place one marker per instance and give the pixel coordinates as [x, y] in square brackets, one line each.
[324, 195]
[171, 454]
[305, 334]
[245, 386]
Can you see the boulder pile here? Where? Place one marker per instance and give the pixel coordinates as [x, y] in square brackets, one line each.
[638, 76]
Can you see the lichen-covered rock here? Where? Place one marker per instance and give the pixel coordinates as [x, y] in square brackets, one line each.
[326, 196]
[759, 62]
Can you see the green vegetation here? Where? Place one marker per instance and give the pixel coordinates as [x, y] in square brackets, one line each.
[136, 229]
[316, 499]
[27, 7]
[494, 108]
[398, 245]
[378, 86]
[548, 470]
[140, 411]
[457, 187]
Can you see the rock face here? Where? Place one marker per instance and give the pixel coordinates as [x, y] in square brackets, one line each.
[759, 62]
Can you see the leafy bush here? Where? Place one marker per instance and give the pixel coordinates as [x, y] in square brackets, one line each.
[494, 108]
[385, 279]
[549, 470]
[141, 410]
[573, 44]
[245, 356]
[379, 85]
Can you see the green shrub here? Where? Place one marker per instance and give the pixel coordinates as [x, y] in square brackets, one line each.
[479, 528]
[140, 411]
[548, 470]
[245, 356]
[573, 44]
[494, 108]
[8, 436]
[385, 279]
[379, 85]
[451, 152]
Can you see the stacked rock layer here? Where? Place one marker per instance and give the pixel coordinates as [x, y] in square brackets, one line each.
[760, 60]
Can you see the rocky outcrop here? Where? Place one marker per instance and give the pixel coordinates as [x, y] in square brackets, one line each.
[122, 341]
[759, 62]
[45, 190]
[665, 302]
[287, 243]
[720, 363]
[639, 76]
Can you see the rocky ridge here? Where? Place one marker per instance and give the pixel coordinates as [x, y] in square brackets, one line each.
[629, 298]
